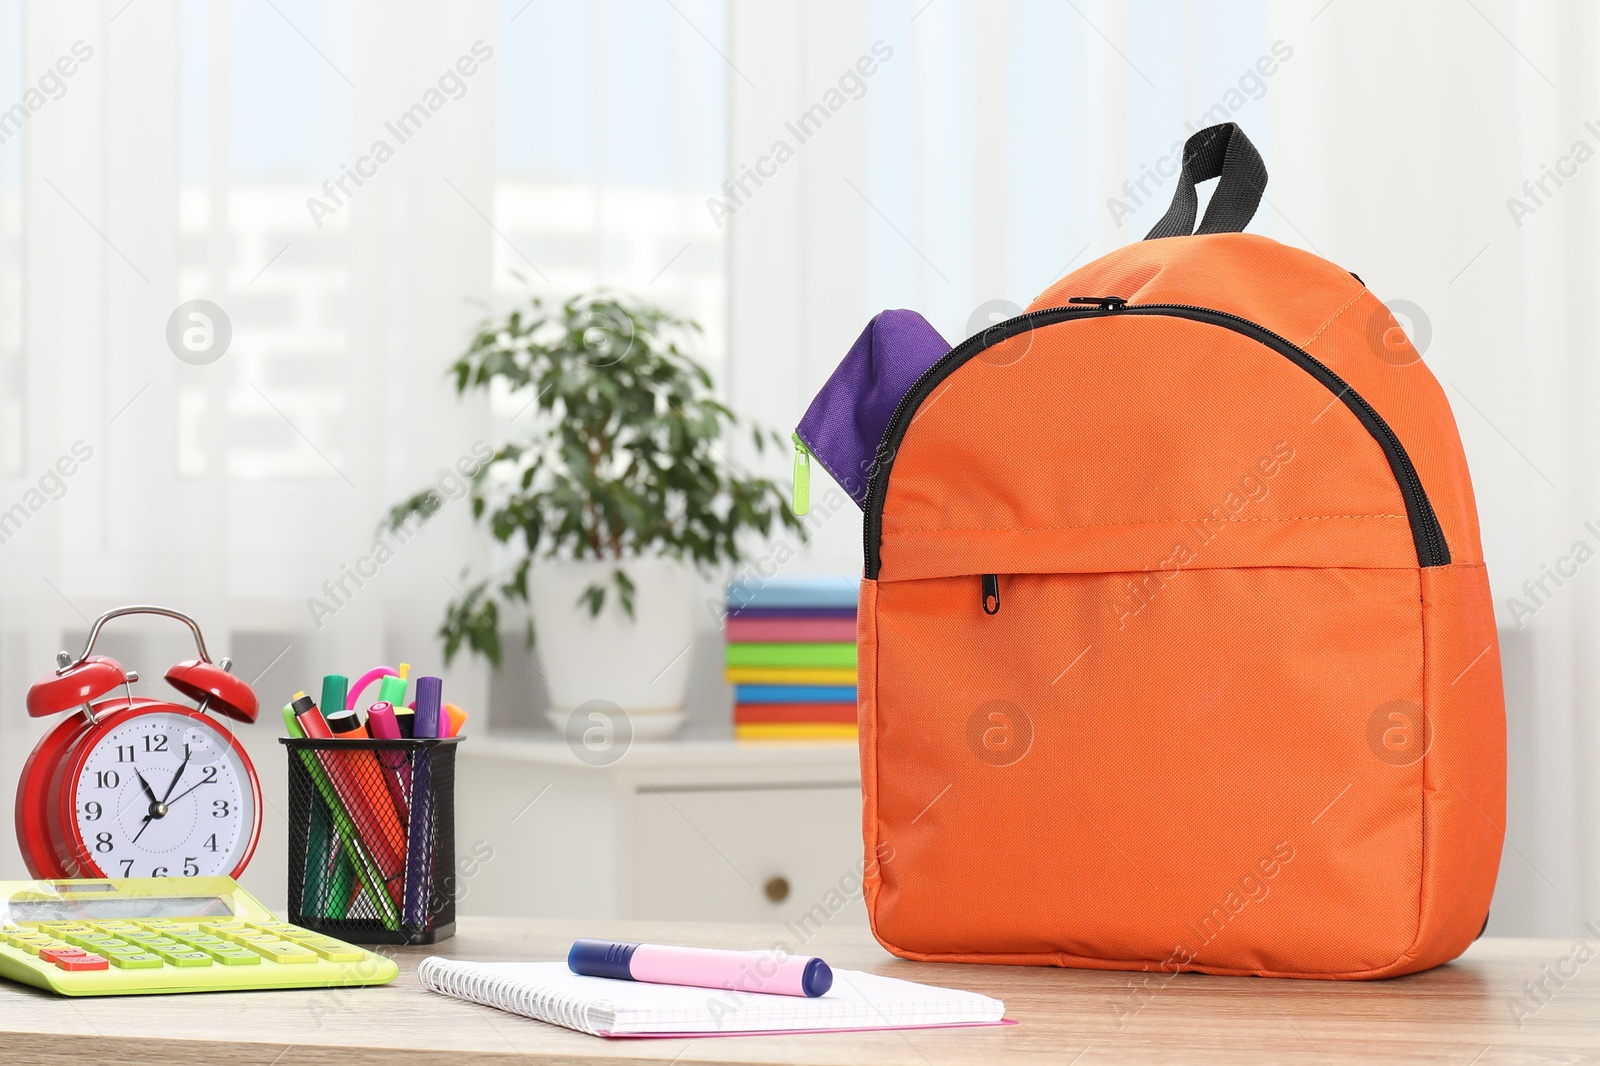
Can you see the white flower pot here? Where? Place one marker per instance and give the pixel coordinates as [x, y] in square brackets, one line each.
[639, 664]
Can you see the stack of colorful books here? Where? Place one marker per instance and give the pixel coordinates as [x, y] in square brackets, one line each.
[792, 657]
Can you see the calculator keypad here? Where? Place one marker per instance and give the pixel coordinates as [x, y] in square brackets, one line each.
[153, 944]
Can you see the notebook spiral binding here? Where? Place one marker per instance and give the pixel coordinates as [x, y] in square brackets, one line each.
[507, 991]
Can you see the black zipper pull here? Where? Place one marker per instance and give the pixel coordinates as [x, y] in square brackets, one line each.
[991, 594]
[1105, 303]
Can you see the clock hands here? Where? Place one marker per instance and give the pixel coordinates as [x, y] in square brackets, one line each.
[185, 792]
[145, 823]
[184, 765]
[165, 802]
[159, 807]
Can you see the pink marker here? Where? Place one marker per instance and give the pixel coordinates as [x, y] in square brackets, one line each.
[740, 971]
[396, 764]
[381, 721]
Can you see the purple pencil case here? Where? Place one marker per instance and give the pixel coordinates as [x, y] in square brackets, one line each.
[844, 424]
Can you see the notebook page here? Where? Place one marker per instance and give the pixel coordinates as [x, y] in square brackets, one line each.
[549, 992]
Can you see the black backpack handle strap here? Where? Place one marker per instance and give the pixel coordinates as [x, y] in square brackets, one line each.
[1221, 151]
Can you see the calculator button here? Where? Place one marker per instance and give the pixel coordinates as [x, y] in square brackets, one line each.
[335, 951]
[82, 962]
[182, 958]
[278, 951]
[236, 957]
[121, 949]
[88, 941]
[206, 942]
[56, 954]
[134, 961]
[142, 936]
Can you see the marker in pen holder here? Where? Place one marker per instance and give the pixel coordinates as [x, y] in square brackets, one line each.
[372, 856]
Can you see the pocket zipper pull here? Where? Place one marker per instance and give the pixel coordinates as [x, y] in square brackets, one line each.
[1105, 303]
[991, 594]
[800, 501]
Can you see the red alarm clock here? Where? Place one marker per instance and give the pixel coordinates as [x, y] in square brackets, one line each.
[134, 787]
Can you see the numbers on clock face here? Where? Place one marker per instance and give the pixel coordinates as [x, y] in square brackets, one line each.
[164, 795]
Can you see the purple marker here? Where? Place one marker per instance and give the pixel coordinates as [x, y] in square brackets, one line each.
[420, 833]
[429, 701]
[740, 971]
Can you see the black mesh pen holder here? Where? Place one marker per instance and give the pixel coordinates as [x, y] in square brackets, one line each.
[372, 842]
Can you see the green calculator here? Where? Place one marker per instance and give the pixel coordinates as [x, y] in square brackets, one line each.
[165, 934]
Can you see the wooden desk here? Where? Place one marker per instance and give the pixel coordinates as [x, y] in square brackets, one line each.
[1456, 1014]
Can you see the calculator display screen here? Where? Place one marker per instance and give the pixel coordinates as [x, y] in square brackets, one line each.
[50, 910]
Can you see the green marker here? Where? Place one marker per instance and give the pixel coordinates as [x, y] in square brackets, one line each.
[341, 882]
[320, 849]
[392, 690]
[317, 844]
[335, 691]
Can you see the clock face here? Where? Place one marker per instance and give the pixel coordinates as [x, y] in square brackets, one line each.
[163, 794]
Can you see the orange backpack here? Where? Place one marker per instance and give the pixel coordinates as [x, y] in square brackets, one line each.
[1176, 649]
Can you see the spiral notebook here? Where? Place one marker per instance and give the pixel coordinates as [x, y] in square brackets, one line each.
[549, 992]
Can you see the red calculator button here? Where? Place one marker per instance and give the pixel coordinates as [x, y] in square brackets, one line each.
[82, 962]
[57, 954]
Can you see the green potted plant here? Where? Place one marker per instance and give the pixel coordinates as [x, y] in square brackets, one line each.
[618, 484]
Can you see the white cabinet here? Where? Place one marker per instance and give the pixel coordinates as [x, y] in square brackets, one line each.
[686, 830]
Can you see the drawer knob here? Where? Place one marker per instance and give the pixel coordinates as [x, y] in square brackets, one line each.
[777, 889]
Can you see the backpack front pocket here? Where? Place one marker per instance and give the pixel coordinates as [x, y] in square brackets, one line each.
[1154, 769]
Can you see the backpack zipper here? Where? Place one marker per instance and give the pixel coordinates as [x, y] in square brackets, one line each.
[1426, 532]
[1105, 303]
[991, 593]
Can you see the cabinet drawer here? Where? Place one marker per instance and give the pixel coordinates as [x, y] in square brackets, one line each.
[786, 855]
